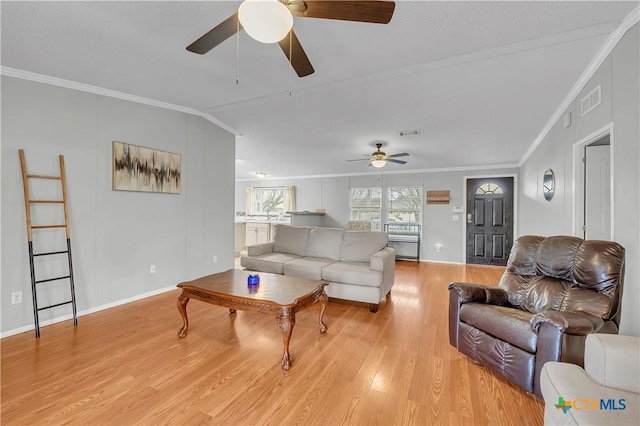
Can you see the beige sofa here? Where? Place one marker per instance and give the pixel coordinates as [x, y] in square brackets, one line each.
[357, 264]
[606, 391]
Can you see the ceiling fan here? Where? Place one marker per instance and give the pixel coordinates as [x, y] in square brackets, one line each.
[271, 21]
[379, 158]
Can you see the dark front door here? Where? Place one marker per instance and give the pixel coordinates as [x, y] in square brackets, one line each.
[489, 220]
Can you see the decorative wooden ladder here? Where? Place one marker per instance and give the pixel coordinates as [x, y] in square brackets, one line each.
[28, 202]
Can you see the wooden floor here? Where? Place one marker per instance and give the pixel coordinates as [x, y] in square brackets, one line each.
[127, 366]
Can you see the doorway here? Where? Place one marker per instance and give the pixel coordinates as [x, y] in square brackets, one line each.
[489, 234]
[594, 183]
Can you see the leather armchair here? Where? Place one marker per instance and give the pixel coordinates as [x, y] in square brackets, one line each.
[554, 292]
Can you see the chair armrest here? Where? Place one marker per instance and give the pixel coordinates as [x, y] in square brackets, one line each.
[613, 360]
[461, 293]
[471, 292]
[258, 249]
[576, 323]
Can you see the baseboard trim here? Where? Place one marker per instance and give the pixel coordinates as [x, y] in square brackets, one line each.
[87, 311]
[448, 262]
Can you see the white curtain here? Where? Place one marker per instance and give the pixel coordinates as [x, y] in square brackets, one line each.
[249, 206]
[289, 198]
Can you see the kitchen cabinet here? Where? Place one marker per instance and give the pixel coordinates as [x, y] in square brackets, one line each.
[239, 237]
[257, 233]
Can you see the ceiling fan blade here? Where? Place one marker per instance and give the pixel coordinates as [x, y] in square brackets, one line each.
[402, 154]
[296, 55]
[377, 12]
[391, 160]
[217, 35]
[360, 159]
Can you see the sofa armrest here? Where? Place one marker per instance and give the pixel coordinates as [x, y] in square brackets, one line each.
[385, 258]
[576, 323]
[385, 261]
[471, 292]
[613, 360]
[258, 249]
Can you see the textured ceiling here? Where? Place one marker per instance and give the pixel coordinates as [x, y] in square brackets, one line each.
[479, 79]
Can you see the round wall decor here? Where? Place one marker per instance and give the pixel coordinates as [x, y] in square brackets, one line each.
[548, 184]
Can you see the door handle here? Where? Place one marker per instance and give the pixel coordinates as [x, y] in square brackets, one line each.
[469, 218]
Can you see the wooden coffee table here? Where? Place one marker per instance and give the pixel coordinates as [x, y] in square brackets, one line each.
[276, 294]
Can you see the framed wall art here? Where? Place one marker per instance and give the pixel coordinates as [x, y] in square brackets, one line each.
[136, 168]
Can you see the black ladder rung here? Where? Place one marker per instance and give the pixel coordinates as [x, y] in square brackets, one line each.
[44, 177]
[53, 279]
[48, 226]
[46, 201]
[50, 253]
[53, 306]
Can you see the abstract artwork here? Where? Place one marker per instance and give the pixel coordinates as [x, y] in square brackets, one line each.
[136, 168]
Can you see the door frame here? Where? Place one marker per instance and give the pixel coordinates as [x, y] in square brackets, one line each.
[464, 206]
[577, 189]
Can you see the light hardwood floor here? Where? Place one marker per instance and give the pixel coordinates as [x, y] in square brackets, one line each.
[127, 366]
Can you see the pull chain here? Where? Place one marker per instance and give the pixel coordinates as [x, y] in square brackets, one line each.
[237, 51]
[290, 58]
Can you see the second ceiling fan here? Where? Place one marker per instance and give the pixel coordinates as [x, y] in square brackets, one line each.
[380, 158]
[271, 21]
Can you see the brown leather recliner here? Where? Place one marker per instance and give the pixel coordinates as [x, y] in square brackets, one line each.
[553, 293]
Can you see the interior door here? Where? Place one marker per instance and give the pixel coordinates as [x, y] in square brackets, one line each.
[597, 193]
[489, 220]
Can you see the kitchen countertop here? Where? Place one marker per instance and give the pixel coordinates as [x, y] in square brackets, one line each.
[246, 219]
[307, 213]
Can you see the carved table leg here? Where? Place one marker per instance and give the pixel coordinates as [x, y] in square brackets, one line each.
[286, 321]
[182, 308]
[323, 305]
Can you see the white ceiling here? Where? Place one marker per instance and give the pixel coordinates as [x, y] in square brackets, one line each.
[479, 79]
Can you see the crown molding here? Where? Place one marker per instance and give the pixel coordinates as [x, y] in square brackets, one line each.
[68, 84]
[614, 38]
[394, 172]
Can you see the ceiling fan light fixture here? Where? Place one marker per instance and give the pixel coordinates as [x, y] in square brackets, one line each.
[378, 163]
[267, 21]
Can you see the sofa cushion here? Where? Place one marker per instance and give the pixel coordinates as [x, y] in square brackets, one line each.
[508, 324]
[325, 242]
[307, 267]
[291, 239]
[359, 246]
[357, 273]
[270, 262]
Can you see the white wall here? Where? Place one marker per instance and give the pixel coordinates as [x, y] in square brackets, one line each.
[115, 235]
[619, 77]
[438, 226]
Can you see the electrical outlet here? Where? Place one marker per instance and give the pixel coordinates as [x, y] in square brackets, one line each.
[16, 297]
[152, 269]
[215, 259]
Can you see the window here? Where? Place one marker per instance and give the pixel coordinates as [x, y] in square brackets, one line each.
[404, 204]
[366, 204]
[267, 201]
[489, 188]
